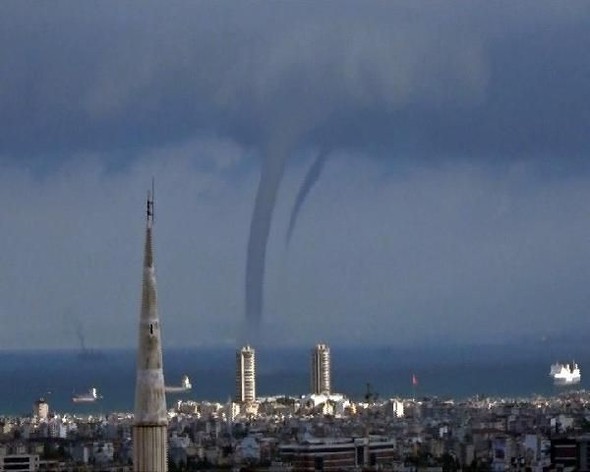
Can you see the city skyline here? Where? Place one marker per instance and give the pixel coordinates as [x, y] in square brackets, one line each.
[427, 165]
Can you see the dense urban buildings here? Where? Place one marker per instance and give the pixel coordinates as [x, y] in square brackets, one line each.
[320, 370]
[245, 375]
[150, 430]
[287, 433]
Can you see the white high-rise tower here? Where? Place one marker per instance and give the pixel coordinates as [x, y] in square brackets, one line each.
[150, 438]
[320, 369]
[245, 375]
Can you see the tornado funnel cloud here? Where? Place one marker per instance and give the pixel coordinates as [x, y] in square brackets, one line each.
[311, 178]
[270, 179]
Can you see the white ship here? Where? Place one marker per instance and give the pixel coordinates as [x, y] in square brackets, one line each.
[185, 386]
[565, 374]
[89, 397]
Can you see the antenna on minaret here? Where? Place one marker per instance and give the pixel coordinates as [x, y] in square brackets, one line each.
[150, 202]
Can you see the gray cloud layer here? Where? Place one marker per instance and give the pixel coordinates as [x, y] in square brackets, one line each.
[460, 253]
[437, 78]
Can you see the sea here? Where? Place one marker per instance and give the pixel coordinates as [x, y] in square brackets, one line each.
[514, 370]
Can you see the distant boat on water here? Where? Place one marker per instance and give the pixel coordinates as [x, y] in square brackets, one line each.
[185, 386]
[565, 373]
[89, 397]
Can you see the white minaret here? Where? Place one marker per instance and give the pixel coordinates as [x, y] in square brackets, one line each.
[320, 369]
[245, 375]
[150, 438]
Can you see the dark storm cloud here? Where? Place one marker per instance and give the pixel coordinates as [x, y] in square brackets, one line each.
[185, 89]
[431, 78]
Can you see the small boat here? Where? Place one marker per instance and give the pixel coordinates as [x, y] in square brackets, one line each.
[565, 373]
[89, 397]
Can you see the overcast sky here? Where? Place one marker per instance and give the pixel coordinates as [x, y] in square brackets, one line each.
[453, 202]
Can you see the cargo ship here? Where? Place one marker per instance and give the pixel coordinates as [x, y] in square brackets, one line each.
[185, 386]
[565, 373]
[89, 397]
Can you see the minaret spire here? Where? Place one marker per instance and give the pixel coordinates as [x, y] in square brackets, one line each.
[151, 420]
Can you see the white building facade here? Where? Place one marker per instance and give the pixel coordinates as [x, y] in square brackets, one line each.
[246, 375]
[320, 370]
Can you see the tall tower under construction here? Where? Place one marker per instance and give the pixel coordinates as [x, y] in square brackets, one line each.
[245, 375]
[320, 369]
[151, 421]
